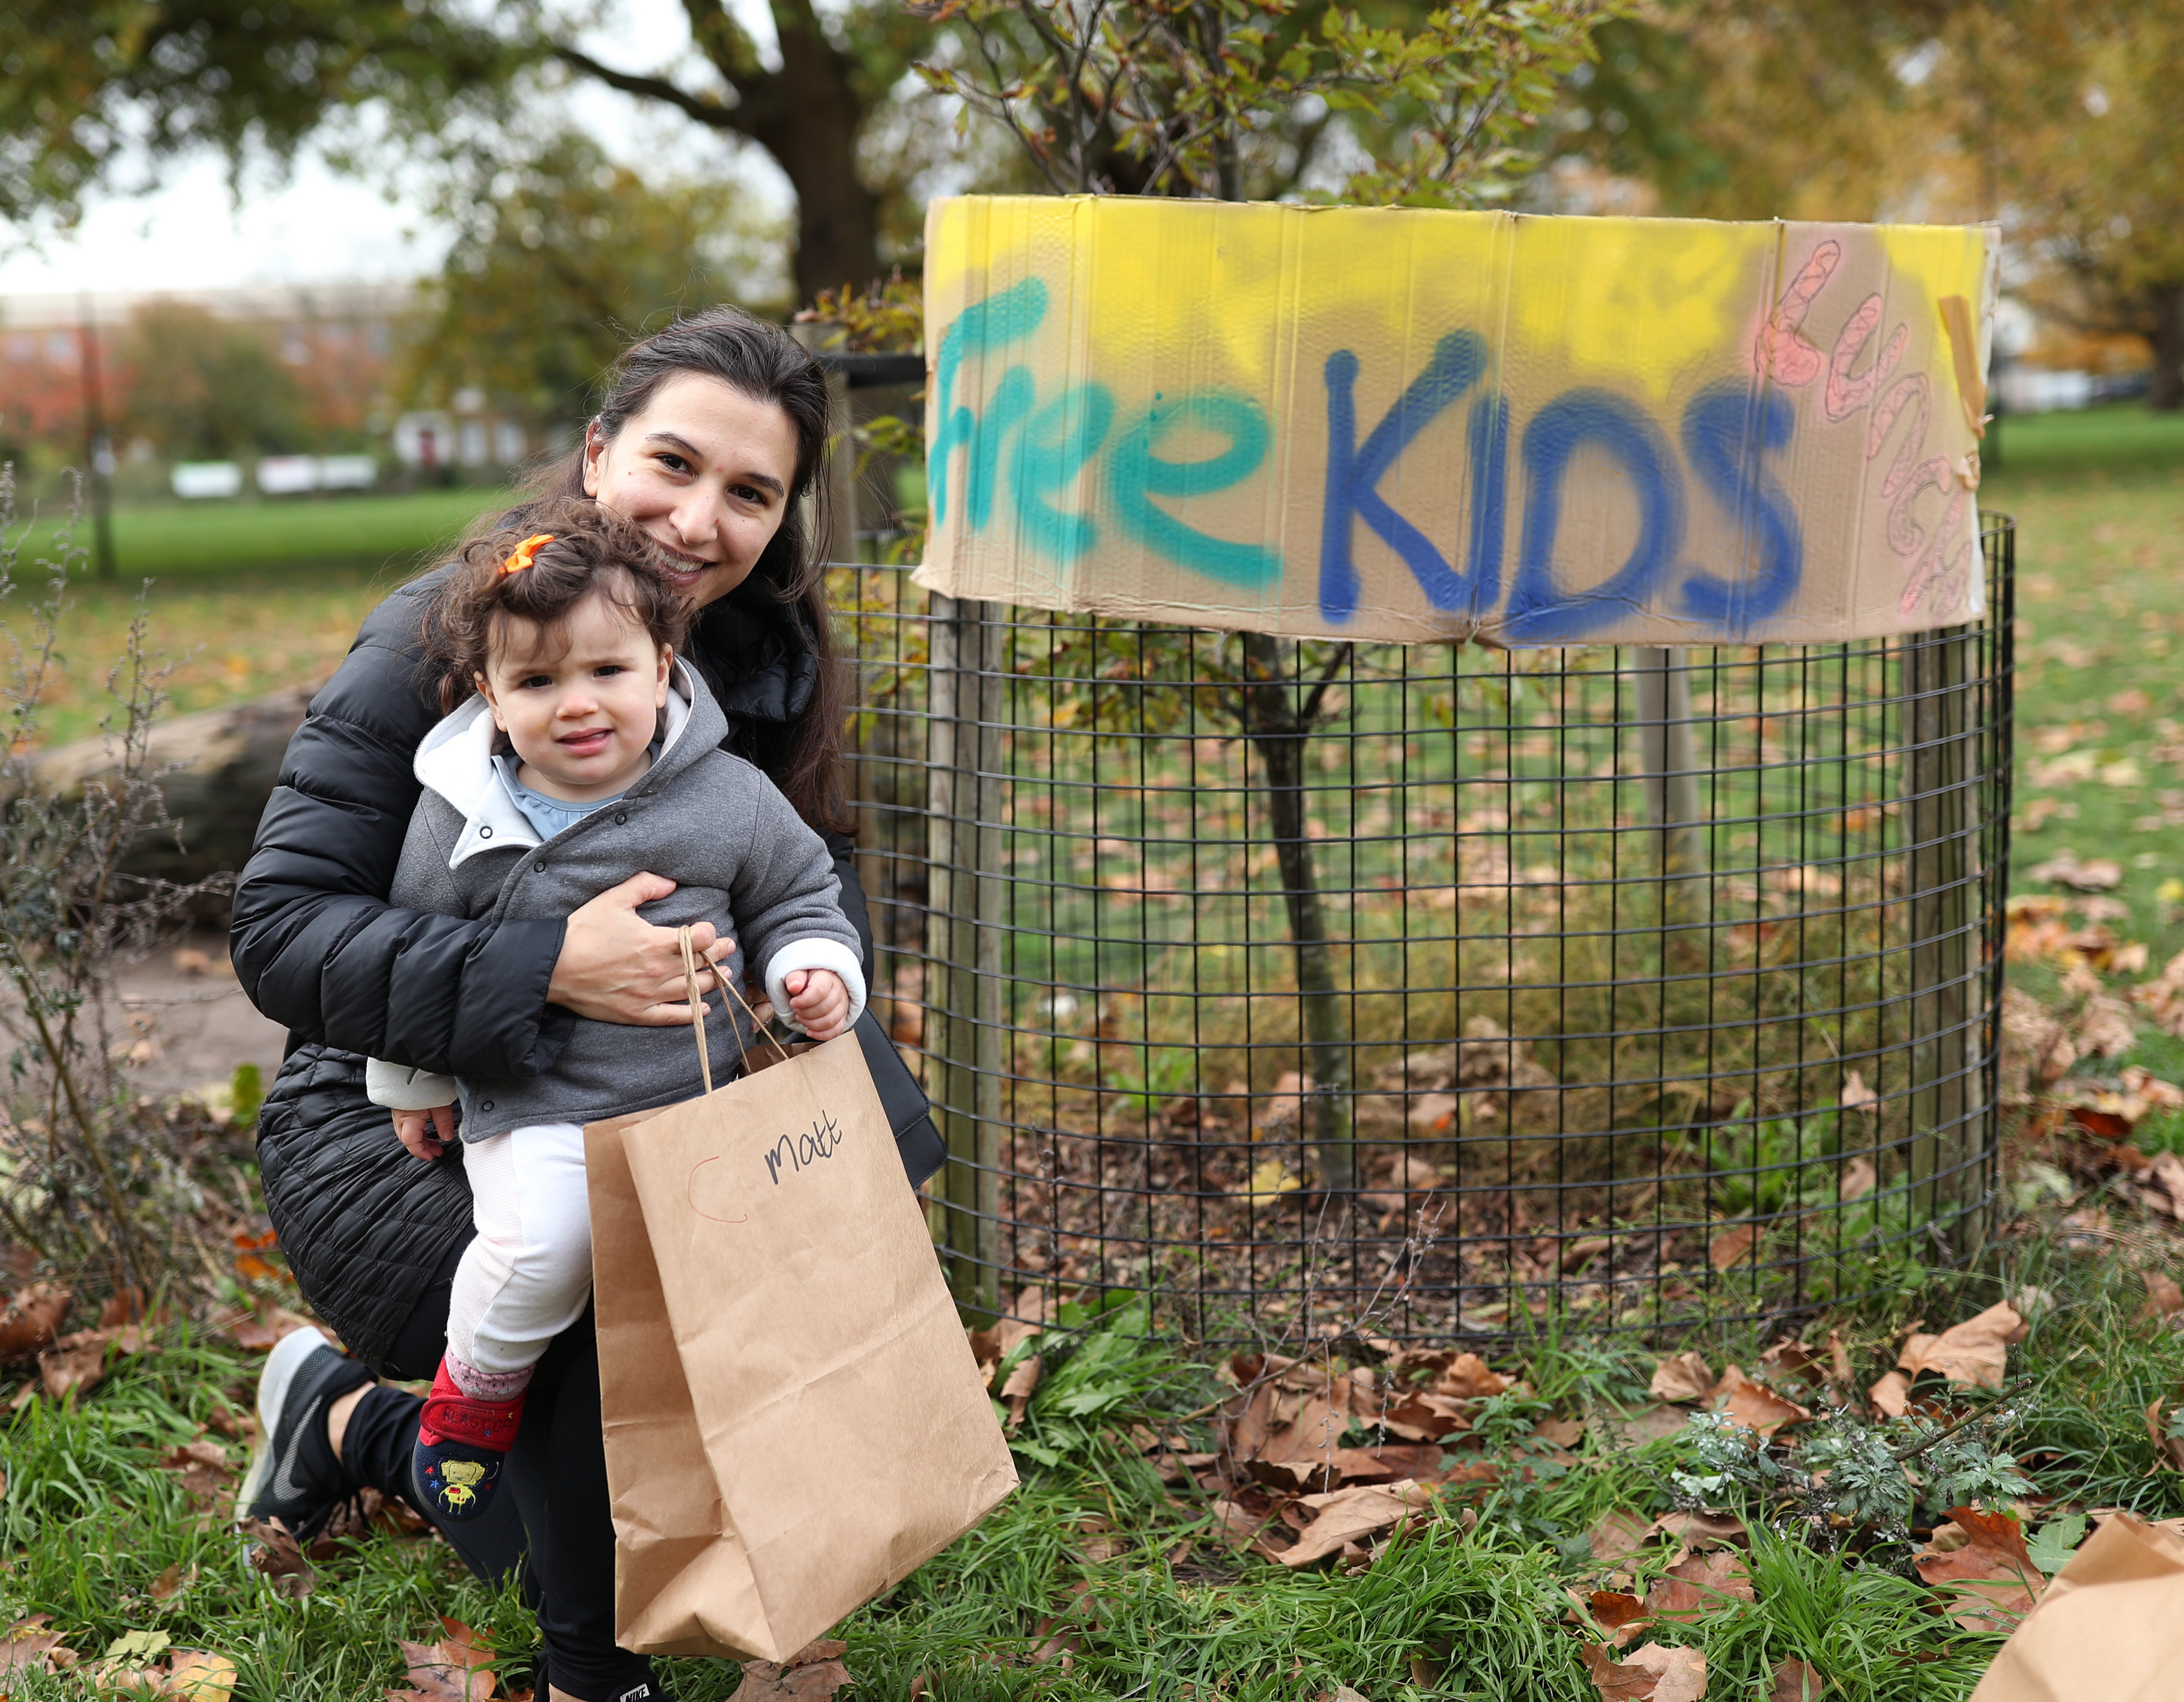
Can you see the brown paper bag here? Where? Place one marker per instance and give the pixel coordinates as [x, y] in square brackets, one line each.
[793, 1419]
[2109, 1628]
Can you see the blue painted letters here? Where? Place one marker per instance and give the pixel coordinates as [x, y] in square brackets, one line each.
[1728, 430]
[1540, 612]
[1136, 475]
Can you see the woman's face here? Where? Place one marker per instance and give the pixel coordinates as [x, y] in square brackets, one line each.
[706, 472]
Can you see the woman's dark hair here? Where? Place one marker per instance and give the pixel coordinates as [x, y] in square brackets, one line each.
[763, 362]
[588, 552]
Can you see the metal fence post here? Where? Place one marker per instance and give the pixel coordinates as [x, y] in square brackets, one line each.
[1947, 1098]
[964, 993]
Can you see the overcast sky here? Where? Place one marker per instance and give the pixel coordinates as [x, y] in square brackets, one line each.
[320, 226]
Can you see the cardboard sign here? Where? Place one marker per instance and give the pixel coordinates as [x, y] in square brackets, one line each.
[1385, 423]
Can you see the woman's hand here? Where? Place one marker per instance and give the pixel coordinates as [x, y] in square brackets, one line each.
[426, 1133]
[617, 967]
[819, 1000]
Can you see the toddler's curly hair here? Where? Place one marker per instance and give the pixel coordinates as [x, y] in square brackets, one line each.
[591, 552]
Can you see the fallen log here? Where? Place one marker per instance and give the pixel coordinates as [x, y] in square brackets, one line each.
[216, 768]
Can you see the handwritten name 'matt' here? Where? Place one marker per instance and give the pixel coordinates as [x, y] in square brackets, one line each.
[822, 1140]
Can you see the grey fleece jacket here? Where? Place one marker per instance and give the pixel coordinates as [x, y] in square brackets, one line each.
[741, 858]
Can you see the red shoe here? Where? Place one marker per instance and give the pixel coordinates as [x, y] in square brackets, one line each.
[462, 1443]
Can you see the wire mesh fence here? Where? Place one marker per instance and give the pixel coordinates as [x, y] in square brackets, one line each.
[1295, 984]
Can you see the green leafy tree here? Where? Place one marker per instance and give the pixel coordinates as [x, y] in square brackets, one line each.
[203, 388]
[89, 88]
[551, 275]
[2066, 119]
[1788, 108]
[1241, 101]
[89, 91]
[2056, 121]
[1175, 97]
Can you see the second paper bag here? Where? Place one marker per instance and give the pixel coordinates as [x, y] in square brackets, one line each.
[794, 1421]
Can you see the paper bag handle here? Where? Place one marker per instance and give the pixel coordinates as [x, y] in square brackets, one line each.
[697, 1010]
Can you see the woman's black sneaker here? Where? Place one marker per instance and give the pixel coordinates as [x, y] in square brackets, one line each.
[293, 1475]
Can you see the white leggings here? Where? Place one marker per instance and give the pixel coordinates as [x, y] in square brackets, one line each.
[525, 1278]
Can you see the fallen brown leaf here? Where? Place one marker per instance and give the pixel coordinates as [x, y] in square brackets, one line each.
[1974, 1354]
[77, 1363]
[1789, 1358]
[279, 1559]
[1345, 1514]
[1753, 1405]
[1240, 1529]
[1796, 1681]
[1651, 1674]
[1990, 1579]
[1891, 1396]
[457, 1668]
[1468, 1377]
[998, 1341]
[1018, 1391]
[197, 1675]
[1619, 1614]
[1650, 1423]
[258, 1334]
[2167, 1172]
[1385, 1463]
[1560, 1432]
[1698, 1532]
[1685, 1377]
[1839, 1358]
[1617, 1534]
[1699, 1584]
[1732, 1247]
[208, 1476]
[798, 1680]
[2096, 875]
[2169, 1448]
[32, 1319]
[2164, 1299]
[1419, 1415]
[28, 1647]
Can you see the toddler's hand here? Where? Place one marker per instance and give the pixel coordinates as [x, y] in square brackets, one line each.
[819, 1000]
[426, 1133]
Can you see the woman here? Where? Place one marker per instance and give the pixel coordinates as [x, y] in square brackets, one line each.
[709, 440]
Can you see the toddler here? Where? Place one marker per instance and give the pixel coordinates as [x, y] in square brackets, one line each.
[589, 753]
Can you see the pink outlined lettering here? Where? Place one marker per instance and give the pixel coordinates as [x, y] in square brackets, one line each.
[1845, 395]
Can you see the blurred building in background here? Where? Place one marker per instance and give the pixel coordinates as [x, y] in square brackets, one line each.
[208, 394]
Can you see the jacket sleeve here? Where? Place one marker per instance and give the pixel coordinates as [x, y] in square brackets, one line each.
[315, 944]
[785, 897]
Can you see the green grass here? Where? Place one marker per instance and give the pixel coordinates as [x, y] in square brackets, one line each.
[212, 540]
[2099, 501]
[245, 597]
[1098, 1558]
[90, 1522]
[2105, 438]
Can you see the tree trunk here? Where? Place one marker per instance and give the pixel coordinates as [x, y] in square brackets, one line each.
[807, 115]
[1279, 731]
[221, 767]
[2167, 395]
[808, 119]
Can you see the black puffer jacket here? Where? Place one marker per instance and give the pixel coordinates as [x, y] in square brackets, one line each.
[318, 947]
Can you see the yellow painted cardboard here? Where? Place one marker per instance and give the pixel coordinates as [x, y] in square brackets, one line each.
[1389, 424]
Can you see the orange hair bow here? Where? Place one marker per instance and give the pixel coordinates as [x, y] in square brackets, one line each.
[526, 552]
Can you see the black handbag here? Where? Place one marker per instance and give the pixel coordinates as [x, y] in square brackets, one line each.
[908, 1112]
